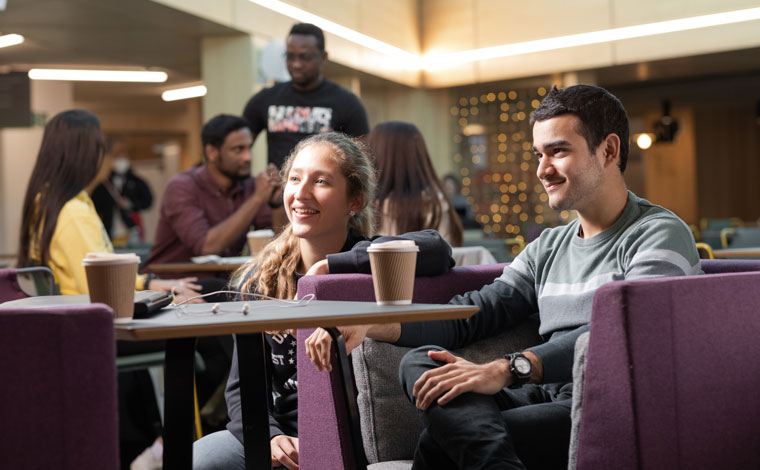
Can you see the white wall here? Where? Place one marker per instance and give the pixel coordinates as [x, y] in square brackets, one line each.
[18, 154]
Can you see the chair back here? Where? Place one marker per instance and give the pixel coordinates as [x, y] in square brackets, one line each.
[740, 237]
[9, 286]
[718, 266]
[653, 346]
[59, 402]
[10, 289]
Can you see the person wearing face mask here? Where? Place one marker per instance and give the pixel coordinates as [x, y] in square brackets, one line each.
[121, 197]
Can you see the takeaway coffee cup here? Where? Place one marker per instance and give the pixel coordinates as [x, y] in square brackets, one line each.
[393, 264]
[111, 280]
[258, 239]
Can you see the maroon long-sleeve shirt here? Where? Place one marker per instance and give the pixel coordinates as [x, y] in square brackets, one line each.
[192, 204]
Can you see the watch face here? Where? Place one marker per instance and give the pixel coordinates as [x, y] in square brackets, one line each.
[522, 365]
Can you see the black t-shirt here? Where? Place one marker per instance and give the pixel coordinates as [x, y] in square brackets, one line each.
[290, 115]
[434, 258]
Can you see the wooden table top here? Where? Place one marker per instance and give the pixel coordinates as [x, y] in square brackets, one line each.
[752, 252]
[197, 320]
[187, 267]
[218, 264]
[269, 315]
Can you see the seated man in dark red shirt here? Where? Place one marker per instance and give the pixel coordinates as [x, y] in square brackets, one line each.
[209, 209]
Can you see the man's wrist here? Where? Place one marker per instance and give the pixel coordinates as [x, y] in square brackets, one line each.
[150, 277]
[537, 372]
[275, 202]
[502, 366]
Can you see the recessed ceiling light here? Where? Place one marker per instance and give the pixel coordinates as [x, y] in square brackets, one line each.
[11, 40]
[184, 93]
[98, 75]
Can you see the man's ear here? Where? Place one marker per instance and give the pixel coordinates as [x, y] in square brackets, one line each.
[611, 148]
[211, 152]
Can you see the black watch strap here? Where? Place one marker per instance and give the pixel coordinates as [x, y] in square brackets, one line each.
[278, 202]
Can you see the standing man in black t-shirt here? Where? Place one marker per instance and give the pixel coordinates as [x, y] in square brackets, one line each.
[308, 104]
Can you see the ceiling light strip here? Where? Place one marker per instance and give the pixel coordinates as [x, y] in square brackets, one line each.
[334, 28]
[595, 37]
[184, 93]
[434, 60]
[98, 75]
[10, 40]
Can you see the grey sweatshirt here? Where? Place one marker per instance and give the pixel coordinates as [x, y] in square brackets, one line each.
[557, 275]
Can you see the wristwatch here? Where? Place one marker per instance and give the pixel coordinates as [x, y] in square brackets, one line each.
[520, 368]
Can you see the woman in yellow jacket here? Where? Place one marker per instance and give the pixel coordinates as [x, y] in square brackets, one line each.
[59, 222]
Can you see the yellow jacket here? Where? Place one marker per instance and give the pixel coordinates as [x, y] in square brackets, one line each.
[78, 231]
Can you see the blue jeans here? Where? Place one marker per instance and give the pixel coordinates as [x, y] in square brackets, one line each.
[218, 451]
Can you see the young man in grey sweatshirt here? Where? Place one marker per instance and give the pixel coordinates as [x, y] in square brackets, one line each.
[515, 411]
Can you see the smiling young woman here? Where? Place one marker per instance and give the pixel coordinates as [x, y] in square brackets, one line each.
[328, 188]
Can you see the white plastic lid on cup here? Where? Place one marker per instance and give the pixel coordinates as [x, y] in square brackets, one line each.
[394, 245]
[101, 258]
[264, 233]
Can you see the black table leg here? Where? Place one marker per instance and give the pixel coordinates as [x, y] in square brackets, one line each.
[254, 400]
[344, 394]
[178, 403]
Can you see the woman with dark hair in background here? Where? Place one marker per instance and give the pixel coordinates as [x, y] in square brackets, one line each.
[59, 224]
[410, 196]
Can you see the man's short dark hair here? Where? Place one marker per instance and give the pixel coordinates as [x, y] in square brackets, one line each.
[599, 111]
[308, 29]
[219, 127]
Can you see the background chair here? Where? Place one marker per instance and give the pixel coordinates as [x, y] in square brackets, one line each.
[10, 289]
[389, 423]
[740, 237]
[58, 399]
[705, 251]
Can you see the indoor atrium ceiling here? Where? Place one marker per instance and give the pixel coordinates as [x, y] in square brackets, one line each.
[144, 34]
[136, 34]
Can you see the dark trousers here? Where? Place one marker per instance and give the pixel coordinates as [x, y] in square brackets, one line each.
[526, 427]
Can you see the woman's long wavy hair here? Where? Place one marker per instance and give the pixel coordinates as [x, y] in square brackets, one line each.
[70, 156]
[405, 174]
[272, 272]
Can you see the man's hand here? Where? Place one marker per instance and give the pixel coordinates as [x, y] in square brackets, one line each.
[284, 451]
[276, 182]
[182, 289]
[458, 376]
[318, 344]
[265, 185]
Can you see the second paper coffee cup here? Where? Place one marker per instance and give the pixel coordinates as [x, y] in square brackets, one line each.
[393, 264]
[111, 280]
[258, 239]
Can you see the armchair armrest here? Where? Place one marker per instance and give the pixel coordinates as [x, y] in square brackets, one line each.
[579, 375]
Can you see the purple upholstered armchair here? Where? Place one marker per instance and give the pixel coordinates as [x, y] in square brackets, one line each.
[389, 424]
[58, 401]
[668, 370]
